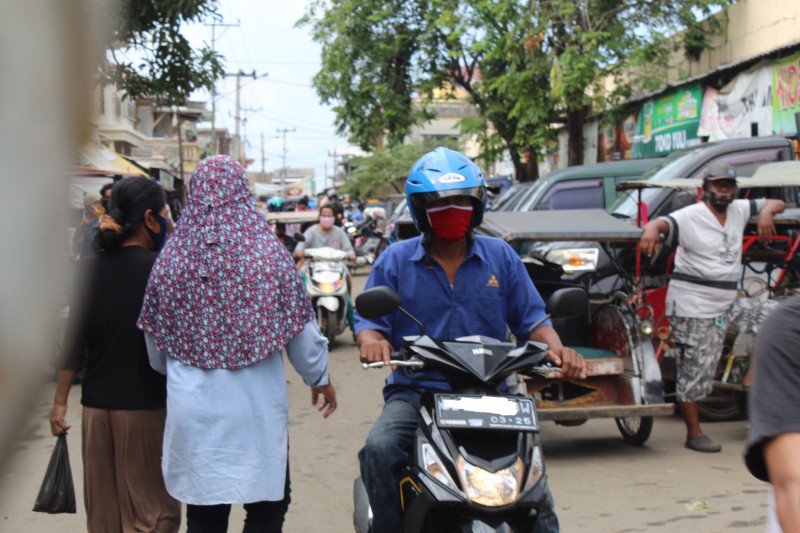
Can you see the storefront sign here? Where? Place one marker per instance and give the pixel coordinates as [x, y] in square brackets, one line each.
[668, 123]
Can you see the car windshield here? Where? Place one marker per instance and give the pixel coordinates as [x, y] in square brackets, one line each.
[530, 199]
[671, 167]
[501, 202]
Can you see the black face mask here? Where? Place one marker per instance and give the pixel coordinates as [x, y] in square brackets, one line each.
[720, 202]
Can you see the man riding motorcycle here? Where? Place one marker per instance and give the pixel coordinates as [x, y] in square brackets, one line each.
[457, 284]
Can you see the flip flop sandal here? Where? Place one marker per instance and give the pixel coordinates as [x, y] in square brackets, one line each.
[703, 444]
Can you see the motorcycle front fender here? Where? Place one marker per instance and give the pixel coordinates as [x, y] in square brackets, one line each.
[331, 303]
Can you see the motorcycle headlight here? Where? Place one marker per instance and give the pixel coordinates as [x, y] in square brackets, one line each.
[537, 467]
[330, 287]
[491, 489]
[434, 466]
[574, 259]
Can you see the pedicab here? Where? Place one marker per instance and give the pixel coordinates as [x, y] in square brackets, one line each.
[770, 271]
[624, 379]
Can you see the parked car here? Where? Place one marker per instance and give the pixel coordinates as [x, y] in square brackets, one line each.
[578, 187]
[582, 187]
[744, 155]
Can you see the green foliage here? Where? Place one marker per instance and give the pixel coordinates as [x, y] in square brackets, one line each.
[388, 167]
[165, 68]
[525, 65]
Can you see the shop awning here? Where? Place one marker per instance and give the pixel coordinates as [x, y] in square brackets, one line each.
[98, 157]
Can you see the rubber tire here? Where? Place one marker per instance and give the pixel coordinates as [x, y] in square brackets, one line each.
[327, 324]
[642, 433]
[720, 406]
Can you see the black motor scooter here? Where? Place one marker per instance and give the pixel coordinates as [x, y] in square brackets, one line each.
[477, 463]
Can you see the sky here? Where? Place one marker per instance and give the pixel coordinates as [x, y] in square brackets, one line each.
[285, 60]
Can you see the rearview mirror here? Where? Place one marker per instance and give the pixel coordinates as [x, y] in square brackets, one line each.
[377, 302]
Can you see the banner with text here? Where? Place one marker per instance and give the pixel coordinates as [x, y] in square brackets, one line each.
[668, 122]
[743, 108]
[785, 94]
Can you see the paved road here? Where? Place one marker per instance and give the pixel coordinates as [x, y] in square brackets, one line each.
[600, 483]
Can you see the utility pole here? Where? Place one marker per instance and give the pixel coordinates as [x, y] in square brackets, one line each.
[333, 174]
[284, 131]
[214, 24]
[237, 114]
[263, 156]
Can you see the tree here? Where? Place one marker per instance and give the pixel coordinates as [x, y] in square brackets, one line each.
[387, 167]
[150, 58]
[525, 65]
[626, 42]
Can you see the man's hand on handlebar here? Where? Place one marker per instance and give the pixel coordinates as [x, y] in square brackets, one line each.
[571, 362]
[373, 347]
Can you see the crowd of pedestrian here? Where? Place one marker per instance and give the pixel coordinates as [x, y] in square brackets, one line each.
[181, 335]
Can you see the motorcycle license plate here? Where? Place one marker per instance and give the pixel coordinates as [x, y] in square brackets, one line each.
[485, 412]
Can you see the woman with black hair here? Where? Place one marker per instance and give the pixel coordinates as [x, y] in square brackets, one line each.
[124, 400]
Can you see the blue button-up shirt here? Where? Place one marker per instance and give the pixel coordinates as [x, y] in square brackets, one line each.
[492, 292]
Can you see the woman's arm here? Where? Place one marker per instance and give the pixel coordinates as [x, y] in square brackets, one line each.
[158, 359]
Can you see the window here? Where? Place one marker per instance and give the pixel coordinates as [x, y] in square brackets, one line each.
[578, 194]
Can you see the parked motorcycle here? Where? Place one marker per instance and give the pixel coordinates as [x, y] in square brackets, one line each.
[477, 462]
[325, 275]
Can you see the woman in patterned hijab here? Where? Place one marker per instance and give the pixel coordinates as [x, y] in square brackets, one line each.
[223, 300]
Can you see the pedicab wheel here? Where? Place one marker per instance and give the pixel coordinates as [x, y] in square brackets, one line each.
[721, 406]
[635, 429]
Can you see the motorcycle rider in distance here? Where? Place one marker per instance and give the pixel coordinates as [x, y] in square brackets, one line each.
[456, 284]
[325, 233]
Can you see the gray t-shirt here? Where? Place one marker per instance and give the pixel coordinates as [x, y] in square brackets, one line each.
[774, 401]
[710, 251]
[317, 238]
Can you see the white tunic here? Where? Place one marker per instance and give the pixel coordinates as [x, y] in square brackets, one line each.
[226, 437]
[710, 251]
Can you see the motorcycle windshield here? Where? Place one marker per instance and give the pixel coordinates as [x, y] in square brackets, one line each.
[490, 362]
[326, 253]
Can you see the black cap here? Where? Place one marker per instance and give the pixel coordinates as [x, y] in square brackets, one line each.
[720, 171]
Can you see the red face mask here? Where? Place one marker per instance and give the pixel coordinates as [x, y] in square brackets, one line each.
[450, 223]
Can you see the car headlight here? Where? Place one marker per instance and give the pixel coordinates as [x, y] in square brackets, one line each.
[537, 467]
[491, 489]
[574, 259]
[434, 466]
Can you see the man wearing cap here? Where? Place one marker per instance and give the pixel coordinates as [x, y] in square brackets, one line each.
[702, 297]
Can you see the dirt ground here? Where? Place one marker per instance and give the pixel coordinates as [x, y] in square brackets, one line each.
[600, 483]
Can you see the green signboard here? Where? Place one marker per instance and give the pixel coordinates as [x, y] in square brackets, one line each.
[785, 94]
[668, 122]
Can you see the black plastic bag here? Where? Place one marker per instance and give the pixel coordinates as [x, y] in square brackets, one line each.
[57, 494]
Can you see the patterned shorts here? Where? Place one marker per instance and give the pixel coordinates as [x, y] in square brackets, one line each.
[699, 341]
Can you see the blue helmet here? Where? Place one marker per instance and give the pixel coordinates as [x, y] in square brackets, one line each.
[441, 173]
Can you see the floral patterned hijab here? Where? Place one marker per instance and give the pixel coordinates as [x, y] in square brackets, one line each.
[224, 292]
